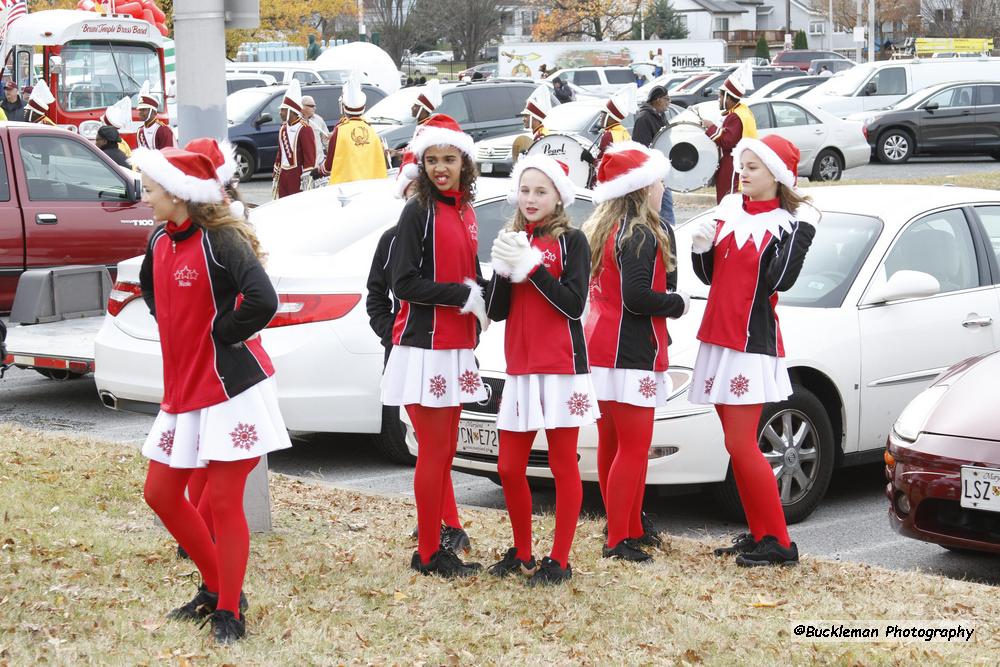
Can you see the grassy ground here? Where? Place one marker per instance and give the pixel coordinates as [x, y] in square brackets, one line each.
[85, 578]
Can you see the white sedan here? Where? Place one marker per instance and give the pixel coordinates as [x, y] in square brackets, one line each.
[828, 144]
[900, 283]
[328, 361]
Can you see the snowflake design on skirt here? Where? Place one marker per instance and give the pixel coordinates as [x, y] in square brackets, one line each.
[438, 385]
[167, 442]
[468, 382]
[647, 386]
[578, 404]
[739, 385]
[708, 384]
[244, 436]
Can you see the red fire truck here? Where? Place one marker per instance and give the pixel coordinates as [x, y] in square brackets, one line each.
[89, 60]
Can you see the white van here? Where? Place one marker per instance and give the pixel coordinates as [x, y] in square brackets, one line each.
[878, 85]
[306, 72]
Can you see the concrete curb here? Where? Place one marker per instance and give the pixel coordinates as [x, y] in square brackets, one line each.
[694, 199]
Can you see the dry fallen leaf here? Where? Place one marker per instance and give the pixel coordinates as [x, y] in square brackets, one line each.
[152, 624]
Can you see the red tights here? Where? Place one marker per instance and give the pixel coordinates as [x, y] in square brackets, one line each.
[222, 563]
[624, 433]
[513, 465]
[754, 477]
[437, 437]
[198, 497]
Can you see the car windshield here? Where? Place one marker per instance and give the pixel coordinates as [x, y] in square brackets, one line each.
[690, 84]
[844, 83]
[334, 75]
[97, 74]
[395, 109]
[842, 244]
[241, 104]
[914, 98]
[571, 117]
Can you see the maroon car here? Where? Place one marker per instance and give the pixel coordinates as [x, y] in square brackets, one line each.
[943, 460]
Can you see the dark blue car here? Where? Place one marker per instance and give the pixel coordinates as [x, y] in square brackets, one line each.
[254, 121]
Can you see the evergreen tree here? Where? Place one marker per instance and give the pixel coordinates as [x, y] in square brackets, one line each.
[801, 41]
[662, 22]
[762, 49]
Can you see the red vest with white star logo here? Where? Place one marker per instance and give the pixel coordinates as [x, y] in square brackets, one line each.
[210, 296]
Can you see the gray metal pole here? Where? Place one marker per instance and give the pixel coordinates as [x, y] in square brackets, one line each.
[200, 41]
[829, 27]
[858, 22]
[871, 31]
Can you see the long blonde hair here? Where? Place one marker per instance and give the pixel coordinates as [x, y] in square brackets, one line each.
[555, 225]
[217, 216]
[634, 209]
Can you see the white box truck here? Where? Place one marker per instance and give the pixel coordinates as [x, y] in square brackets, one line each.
[523, 59]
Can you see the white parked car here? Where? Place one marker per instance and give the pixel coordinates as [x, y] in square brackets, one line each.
[328, 361]
[598, 80]
[434, 57]
[828, 144]
[900, 283]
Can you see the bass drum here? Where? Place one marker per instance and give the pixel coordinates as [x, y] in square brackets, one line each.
[566, 148]
[693, 157]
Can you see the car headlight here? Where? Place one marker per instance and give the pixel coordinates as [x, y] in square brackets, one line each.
[681, 379]
[911, 421]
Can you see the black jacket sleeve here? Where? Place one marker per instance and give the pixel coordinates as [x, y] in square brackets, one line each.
[260, 301]
[146, 272]
[638, 256]
[784, 267]
[498, 298]
[408, 283]
[568, 293]
[647, 124]
[378, 304]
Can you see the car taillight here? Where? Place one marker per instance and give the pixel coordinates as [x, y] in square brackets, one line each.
[304, 308]
[120, 296]
[864, 131]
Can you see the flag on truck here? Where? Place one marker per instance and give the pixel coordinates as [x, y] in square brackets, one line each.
[12, 11]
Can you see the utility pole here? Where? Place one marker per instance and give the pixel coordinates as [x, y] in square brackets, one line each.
[199, 36]
[857, 24]
[829, 27]
[871, 31]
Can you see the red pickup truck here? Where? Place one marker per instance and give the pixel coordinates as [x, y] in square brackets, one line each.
[62, 202]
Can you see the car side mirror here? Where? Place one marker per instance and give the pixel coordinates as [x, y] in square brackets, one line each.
[871, 88]
[55, 65]
[904, 285]
[133, 189]
[932, 107]
[263, 119]
[708, 93]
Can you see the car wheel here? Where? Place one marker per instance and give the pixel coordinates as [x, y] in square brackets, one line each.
[391, 442]
[246, 165]
[797, 441]
[828, 166]
[58, 374]
[895, 147]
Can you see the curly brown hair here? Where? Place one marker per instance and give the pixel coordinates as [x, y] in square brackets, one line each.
[426, 190]
[217, 216]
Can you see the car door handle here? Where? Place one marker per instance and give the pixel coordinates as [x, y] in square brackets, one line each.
[976, 321]
[46, 219]
[817, 131]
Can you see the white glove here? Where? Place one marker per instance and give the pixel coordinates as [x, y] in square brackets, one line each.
[475, 303]
[687, 301]
[516, 256]
[703, 236]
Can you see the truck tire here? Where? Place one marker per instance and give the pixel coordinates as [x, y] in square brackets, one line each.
[246, 164]
[805, 464]
[391, 441]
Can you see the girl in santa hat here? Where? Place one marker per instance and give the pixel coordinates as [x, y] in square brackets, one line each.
[204, 284]
[633, 292]
[431, 369]
[751, 248]
[541, 269]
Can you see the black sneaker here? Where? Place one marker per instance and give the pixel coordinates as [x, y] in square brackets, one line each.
[511, 564]
[549, 572]
[626, 550]
[226, 628]
[202, 605]
[742, 544]
[181, 554]
[455, 539]
[445, 563]
[769, 552]
[651, 537]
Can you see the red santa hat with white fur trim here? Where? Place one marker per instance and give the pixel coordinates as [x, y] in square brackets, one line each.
[556, 171]
[408, 172]
[221, 153]
[184, 174]
[627, 166]
[442, 130]
[779, 155]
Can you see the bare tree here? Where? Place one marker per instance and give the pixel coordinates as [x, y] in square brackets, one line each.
[960, 18]
[468, 25]
[395, 21]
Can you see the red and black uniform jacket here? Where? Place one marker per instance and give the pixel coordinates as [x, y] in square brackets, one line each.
[209, 295]
[544, 332]
[380, 303]
[434, 253]
[630, 301]
[745, 283]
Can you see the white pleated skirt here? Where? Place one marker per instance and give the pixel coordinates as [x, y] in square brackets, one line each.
[432, 378]
[646, 389]
[731, 377]
[534, 402]
[246, 426]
